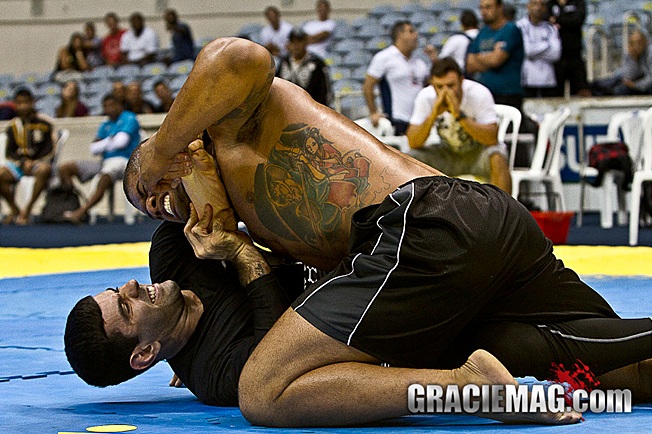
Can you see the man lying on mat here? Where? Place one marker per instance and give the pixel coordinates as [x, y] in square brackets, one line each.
[295, 172]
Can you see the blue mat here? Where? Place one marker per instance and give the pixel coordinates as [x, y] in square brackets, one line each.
[38, 392]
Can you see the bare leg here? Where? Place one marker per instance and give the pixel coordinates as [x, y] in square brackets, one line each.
[42, 175]
[7, 182]
[636, 377]
[500, 176]
[298, 376]
[67, 172]
[77, 216]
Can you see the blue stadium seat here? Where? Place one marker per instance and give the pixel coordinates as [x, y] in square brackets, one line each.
[100, 72]
[356, 58]
[339, 73]
[48, 89]
[347, 86]
[7, 79]
[47, 105]
[181, 67]
[99, 86]
[127, 72]
[359, 73]
[6, 92]
[430, 27]
[153, 70]
[378, 43]
[389, 20]
[370, 30]
[347, 45]
[34, 78]
[177, 82]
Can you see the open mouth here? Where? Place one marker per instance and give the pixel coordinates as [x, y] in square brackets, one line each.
[167, 205]
[152, 291]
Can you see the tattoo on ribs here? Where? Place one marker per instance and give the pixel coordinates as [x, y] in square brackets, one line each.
[308, 189]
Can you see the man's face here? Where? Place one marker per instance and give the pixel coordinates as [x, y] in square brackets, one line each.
[112, 108]
[163, 92]
[490, 11]
[323, 11]
[409, 36]
[134, 93]
[148, 312]
[136, 24]
[171, 205]
[297, 47]
[450, 82]
[636, 45]
[24, 105]
[537, 10]
[273, 18]
[111, 23]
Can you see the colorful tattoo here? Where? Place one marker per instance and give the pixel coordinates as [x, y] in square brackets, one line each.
[307, 186]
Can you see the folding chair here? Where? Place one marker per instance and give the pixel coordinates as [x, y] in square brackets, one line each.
[642, 174]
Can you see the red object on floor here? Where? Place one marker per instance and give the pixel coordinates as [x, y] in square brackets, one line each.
[554, 224]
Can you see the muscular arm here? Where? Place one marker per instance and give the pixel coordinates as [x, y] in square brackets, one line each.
[417, 134]
[481, 62]
[487, 134]
[368, 88]
[231, 77]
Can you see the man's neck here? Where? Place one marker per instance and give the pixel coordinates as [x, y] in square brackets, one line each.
[186, 325]
[406, 51]
[498, 24]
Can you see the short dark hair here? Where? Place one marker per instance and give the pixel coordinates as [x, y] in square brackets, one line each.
[397, 27]
[297, 34]
[468, 19]
[23, 91]
[111, 15]
[100, 360]
[272, 9]
[132, 171]
[109, 96]
[443, 66]
[160, 81]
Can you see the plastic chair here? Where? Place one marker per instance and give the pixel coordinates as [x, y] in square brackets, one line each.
[630, 124]
[545, 167]
[384, 132]
[642, 174]
[508, 115]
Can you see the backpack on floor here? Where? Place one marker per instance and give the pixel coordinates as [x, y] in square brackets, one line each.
[57, 201]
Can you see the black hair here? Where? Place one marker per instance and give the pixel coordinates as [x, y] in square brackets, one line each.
[100, 360]
[23, 91]
[468, 19]
[397, 27]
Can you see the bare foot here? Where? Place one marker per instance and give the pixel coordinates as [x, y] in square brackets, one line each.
[23, 218]
[482, 368]
[77, 216]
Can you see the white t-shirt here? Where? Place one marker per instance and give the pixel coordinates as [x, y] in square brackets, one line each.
[405, 78]
[277, 37]
[477, 103]
[138, 47]
[314, 27]
[542, 46]
[457, 45]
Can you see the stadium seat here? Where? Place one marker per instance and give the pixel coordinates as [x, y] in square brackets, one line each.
[181, 67]
[127, 72]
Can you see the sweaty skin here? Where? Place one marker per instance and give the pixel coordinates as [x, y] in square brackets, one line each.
[295, 170]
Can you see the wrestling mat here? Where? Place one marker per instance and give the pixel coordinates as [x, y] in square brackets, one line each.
[40, 394]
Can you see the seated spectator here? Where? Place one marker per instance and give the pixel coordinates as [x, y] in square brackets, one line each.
[139, 45]
[116, 139]
[92, 45]
[463, 113]
[111, 42]
[305, 69]
[182, 44]
[634, 77]
[320, 31]
[71, 60]
[275, 35]
[134, 101]
[30, 150]
[119, 92]
[457, 45]
[164, 95]
[71, 106]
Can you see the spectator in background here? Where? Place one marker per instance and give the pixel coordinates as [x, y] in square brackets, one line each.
[463, 112]
[134, 101]
[510, 11]
[92, 45]
[7, 110]
[116, 139]
[70, 105]
[401, 75]
[164, 95]
[139, 45]
[119, 92]
[183, 44]
[305, 69]
[30, 150]
[542, 47]
[274, 36]
[111, 42]
[457, 45]
[634, 76]
[320, 31]
[495, 59]
[71, 60]
[568, 16]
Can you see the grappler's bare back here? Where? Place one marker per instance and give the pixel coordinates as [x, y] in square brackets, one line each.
[297, 171]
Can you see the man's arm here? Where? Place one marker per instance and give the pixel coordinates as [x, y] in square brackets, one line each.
[231, 77]
[368, 88]
[486, 60]
[417, 134]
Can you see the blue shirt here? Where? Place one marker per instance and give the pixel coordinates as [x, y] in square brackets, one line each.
[126, 122]
[506, 79]
[183, 46]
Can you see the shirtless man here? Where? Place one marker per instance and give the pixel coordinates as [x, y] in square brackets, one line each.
[295, 173]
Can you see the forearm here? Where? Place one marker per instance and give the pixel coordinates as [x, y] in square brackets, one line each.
[368, 90]
[418, 134]
[486, 134]
[250, 264]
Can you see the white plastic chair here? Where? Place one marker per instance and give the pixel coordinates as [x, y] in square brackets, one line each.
[630, 123]
[545, 167]
[384, 132]
[508, 115]
[642, 174]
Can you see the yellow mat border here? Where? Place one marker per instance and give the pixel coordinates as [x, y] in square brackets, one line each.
[21, 262]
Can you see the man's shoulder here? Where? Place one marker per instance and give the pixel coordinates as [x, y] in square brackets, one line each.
[475, 89]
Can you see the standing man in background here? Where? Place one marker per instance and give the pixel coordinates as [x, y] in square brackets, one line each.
[457, 45]
[320, 31]
[274, 36]
[139, 44]
[400, 75]
[111, 42]
[542, 50]
[183, 45]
